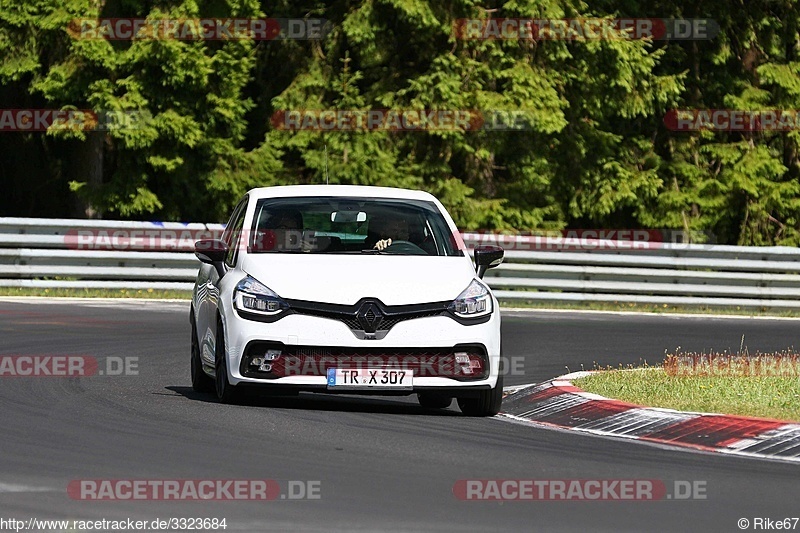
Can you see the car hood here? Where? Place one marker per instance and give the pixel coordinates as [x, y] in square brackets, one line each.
[345, 279]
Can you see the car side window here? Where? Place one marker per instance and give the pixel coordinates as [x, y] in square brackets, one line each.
[228, 232]
[233, 237]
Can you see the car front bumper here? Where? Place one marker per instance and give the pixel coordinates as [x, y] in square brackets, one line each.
[410, 338]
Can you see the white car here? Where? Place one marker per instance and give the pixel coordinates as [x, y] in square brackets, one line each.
[339, 288]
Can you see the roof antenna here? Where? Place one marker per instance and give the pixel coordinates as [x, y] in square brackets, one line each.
[326, 163]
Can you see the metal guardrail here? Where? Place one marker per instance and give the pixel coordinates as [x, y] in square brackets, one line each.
[63, 253]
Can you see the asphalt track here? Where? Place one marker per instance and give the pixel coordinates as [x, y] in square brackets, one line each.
[385, 464]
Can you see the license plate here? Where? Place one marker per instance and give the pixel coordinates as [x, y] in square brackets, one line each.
[370, 378]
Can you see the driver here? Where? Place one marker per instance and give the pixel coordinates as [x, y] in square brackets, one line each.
[389, 228]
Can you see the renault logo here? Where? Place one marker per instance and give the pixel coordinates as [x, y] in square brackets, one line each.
[370, 317]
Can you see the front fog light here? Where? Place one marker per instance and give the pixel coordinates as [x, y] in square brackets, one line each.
[261, 364]
[475, 301]
[469, 364]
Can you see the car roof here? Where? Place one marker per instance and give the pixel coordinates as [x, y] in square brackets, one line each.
[365, 191]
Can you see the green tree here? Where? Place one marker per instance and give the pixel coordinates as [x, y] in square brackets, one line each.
[182, 156]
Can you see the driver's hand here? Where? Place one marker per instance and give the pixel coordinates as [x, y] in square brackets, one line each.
[382, 244]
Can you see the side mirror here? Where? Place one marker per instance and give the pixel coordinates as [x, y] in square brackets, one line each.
[212, 252]
[487, 257]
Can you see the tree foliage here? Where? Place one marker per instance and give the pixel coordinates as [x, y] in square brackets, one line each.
[595, 153]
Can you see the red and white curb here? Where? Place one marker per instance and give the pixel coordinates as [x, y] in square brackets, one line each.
[558, 403]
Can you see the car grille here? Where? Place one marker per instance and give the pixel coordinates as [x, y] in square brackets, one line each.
[369, 314]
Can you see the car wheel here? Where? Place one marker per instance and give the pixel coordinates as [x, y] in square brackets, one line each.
[201, 382]
[433, 401]
[487, 404]
[226, 393]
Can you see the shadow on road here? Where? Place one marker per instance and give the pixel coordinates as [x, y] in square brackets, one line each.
[326, 402]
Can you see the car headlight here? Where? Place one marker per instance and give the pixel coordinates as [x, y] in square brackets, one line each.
[474, 302]
[254, 297]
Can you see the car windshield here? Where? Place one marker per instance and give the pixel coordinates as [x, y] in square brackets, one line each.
[343, 225]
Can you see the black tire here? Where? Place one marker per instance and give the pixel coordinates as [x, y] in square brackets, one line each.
[226, 393]
[201, 382]
[487, 404]
[434, 401]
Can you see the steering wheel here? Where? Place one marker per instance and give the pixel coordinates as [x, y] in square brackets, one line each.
[405, 248]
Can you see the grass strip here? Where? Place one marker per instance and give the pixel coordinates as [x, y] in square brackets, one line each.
[97, 293]
[775, 397]
[651, 308]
